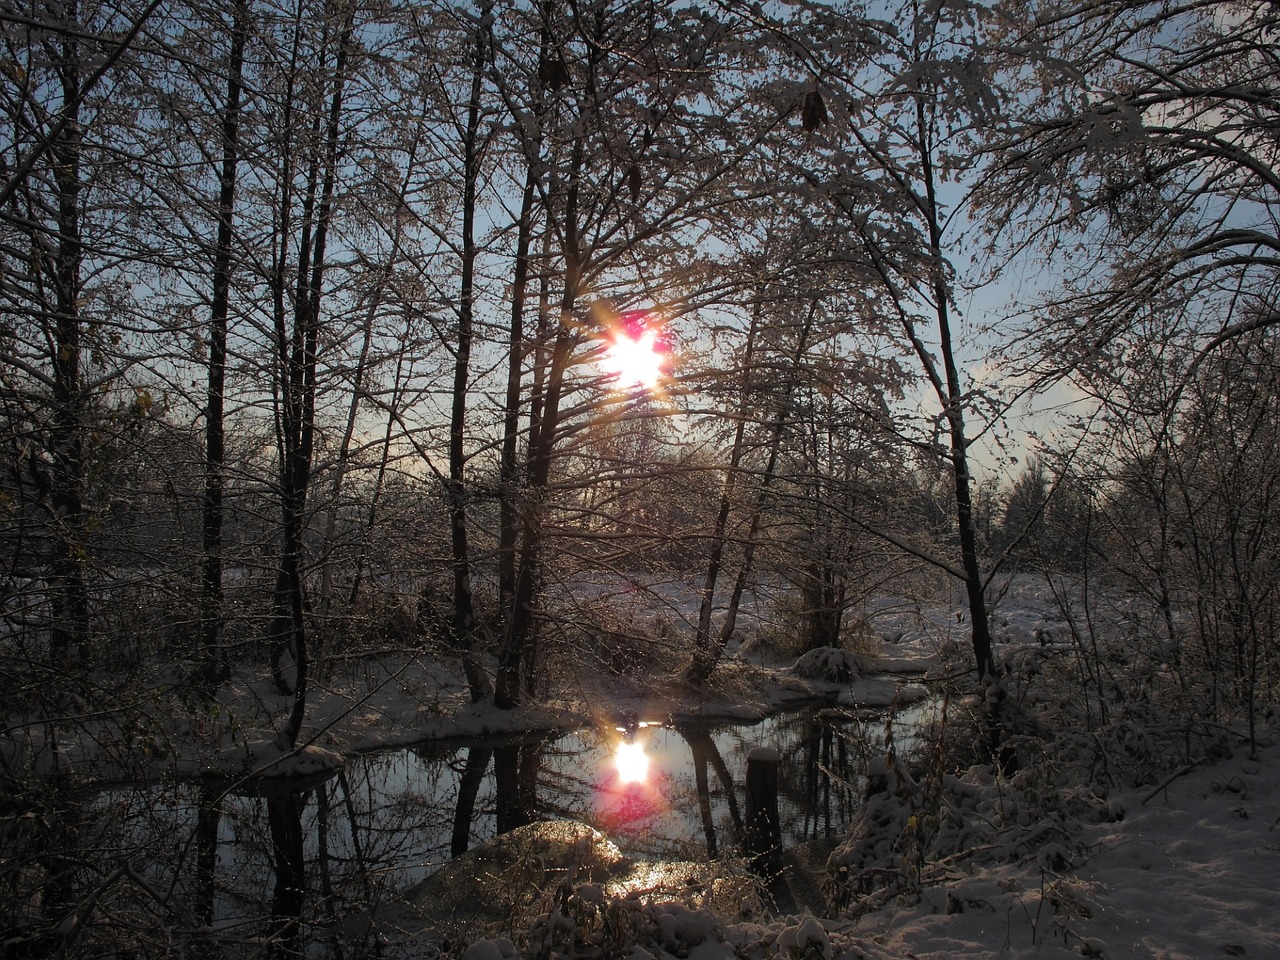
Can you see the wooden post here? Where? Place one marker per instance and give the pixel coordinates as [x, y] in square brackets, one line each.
[763, 829]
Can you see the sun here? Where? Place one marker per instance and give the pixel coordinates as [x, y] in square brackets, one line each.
[634, 361]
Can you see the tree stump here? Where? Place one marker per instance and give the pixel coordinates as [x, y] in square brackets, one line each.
[763, 832]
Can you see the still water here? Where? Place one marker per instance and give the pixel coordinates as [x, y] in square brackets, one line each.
[293, 863]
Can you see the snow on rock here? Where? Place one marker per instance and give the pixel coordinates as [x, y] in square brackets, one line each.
[680, 927]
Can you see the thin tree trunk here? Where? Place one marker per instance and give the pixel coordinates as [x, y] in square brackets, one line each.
[70, 628]
[705, 653]
[953, 409]
[463, 605]
[543, 427]
[379, 483]
[702, 666]
[343, 459]
[509, 472]
[300, 381]
[212, 610]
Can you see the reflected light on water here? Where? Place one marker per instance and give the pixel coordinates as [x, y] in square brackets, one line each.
[632, 763]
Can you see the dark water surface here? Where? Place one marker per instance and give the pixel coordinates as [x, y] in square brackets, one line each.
[292, 863]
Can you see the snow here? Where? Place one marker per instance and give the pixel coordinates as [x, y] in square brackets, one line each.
[1051, 861]
[1185, 874]
[1182, 873]
[1177, 869]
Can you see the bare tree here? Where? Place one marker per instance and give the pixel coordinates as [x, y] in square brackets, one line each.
[1153, 158]
[212, 612]
[888, 125]
[622, 179]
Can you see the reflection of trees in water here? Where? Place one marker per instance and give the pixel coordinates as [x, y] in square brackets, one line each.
[566, 779]
[329, 851]
[208, 818]
[824, 759]
[249, 860]
[284, 820]
[293, 862]
[473, 772]
[828, 781]
[705, 753]
[515, 775]
[824, 762]
[516, 767]
[571, 780]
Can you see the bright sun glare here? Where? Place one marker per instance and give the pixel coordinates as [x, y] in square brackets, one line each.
[632, 763]
[634, 361]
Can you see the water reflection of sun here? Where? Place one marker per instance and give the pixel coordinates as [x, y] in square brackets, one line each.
[629, 792]
[632, 762]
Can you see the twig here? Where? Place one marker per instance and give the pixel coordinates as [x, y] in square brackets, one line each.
[1180, 772]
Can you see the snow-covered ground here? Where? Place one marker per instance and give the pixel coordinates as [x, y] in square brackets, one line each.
[1184, 872]
[1182, 868]
[1060, 859]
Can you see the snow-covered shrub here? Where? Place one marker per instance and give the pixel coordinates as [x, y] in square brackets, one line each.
[585, 923]
[624, 632]
[828, 664]
[875, 862]
[1077, 724]
[806, 940]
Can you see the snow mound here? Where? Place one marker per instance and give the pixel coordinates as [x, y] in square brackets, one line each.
[828, 664]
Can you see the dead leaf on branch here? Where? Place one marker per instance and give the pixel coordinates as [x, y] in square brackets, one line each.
[813, 113]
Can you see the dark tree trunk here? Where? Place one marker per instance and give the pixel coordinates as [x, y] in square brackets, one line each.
[952, 399]
[463, 606]
[284, 821]
[298, 358]
[70, 627]
[212, 611]
[468, 789]
[543, 429]
[510, 492]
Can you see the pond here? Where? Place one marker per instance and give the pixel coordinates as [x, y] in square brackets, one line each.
[318, 863]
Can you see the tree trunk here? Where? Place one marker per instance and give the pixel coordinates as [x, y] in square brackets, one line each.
[544, 424]
[952, 400]
[298, 356]
[463, 606]
[510, 493]
[705, 653]
[212, 612]
[953, 408]
[705, 660]
[70, 627]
